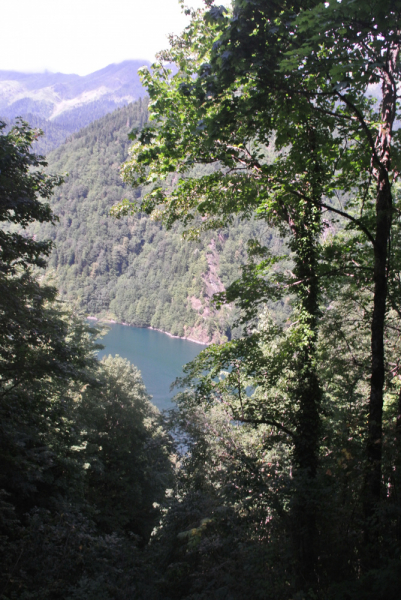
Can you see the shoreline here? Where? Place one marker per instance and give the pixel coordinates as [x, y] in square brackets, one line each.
[178, 337]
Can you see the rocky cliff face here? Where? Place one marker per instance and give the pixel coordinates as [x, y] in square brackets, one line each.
[203, 305]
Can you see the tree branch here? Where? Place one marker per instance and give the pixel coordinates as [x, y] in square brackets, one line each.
[269, 422]
[351, 218]
[338, 212]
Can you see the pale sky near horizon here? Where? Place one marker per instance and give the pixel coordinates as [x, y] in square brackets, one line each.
[82, 36]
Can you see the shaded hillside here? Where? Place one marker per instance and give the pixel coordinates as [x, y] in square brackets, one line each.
[54, 133]
[132, 269]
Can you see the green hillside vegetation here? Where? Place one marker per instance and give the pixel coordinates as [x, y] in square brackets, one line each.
[54, 134]
[132, 269]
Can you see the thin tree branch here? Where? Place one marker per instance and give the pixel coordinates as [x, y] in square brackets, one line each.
[338, 212]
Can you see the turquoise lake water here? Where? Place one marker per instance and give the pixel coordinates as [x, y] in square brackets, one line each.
[159, 357]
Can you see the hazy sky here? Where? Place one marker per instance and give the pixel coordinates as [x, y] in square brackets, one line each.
[81, 36]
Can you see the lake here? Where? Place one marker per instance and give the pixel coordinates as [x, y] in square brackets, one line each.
[158, 356]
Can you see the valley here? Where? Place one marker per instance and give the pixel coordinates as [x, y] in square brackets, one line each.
[130, 270]
[133, 270]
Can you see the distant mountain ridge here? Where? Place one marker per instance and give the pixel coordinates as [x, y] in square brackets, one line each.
[62, 104]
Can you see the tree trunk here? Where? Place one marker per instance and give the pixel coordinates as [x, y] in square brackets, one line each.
[307, 395]
[384, 208]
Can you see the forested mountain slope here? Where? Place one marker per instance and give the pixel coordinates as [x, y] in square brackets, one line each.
[132, 269]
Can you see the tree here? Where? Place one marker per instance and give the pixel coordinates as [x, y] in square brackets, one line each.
[128, 467]
[292, 77]
[361, 47]
[24, 188]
